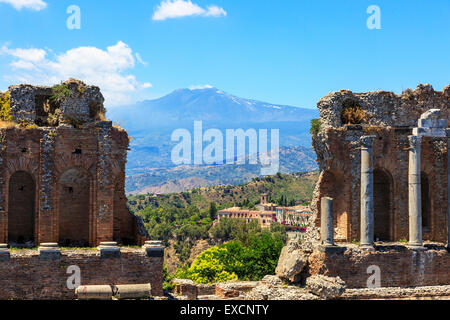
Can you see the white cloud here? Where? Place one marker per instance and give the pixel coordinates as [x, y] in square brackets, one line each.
[107, 69]
[201, 87]
[27, 4]
[140, 60]
[184, 8]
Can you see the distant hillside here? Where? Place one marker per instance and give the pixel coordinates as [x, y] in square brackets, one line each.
[182, 178]
[297, 187]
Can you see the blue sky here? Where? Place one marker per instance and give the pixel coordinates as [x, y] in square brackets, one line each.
[289, 52]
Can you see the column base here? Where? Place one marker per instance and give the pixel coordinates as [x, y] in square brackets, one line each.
[416, 247]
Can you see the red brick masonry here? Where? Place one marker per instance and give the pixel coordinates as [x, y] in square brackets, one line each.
[26, 276]
[400, 267]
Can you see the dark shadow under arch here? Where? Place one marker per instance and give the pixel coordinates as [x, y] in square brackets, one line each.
[383, 205]
[426, 203]
[21, 207]
[74, 208]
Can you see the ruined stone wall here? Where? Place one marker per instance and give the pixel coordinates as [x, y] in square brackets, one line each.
[62, 167]
[26, 276]
[385, 109]
[399, 266]
[390, 118]
[62, 170]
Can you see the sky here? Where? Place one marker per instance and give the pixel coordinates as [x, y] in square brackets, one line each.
[286, 52]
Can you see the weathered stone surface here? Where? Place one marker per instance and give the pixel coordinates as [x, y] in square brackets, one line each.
[187, 288]
[272, 281]
[79, 104]
[265, 292]
[23, 105]
[291, 263]
[234, 289]
[206, 289]
[395, 293]
[325, 287]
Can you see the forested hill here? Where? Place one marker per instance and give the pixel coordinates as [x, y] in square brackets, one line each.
[292, 187]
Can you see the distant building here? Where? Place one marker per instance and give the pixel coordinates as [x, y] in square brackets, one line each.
[264, 218]
[268, 213]
[298, 215]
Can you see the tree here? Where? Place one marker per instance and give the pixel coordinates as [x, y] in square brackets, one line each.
[212, 211]
[210, 267]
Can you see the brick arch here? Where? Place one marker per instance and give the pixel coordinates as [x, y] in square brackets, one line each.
[22, 164]
[333, 185]
[383, 195]
[64, 162]
[74, 207]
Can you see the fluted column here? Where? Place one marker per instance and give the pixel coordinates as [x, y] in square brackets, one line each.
[326, 223]
[367, 192]
[415, 199]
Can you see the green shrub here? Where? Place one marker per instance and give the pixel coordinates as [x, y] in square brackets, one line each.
[315, 126]
[5, 107]
[60, 92]
[236, 261]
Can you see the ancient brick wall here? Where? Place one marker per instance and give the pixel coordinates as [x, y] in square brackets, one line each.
[390, 118]
[62, 170]
[26, 276]
[399, 266]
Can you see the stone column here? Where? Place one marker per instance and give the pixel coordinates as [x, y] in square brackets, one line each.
[326, 224]
[367, 192]
[415, 201]
[448, 192]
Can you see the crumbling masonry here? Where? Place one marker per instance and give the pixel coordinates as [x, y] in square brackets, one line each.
[62, 170]
[382, 198]
[386, 171]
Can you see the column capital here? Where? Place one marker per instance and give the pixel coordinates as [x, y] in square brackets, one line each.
[415, 141]
[367, 141]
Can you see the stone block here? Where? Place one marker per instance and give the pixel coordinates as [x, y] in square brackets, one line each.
[109, 250]
[4, 252]
[428, 123]
[430, 132]
[49, 251]
[154, 249]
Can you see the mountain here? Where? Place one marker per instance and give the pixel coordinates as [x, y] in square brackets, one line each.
[151, 123]
[183, 106]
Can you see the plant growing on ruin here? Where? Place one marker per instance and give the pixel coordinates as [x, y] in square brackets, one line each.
[352, 112]
[53, 118]
[5, 107]
[60, 92]
[315, 126]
